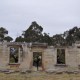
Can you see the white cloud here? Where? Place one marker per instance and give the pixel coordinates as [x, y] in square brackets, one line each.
[55, 16]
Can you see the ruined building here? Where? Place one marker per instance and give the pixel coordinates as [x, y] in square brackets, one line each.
[39, 56]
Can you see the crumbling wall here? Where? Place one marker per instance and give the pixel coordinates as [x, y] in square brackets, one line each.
[4, 56]
[72, 59]
[27, 58]
[49, 58]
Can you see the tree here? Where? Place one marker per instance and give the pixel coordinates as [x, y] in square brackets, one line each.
[3, 35]
[3, 32]
[14, 55]
[8, 38]
[19, 39]
[33, 33]
[72, 35]
[58, 40]
[47, 39]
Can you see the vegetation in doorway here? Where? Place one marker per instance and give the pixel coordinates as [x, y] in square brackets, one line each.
[14, 55]
[60, 56]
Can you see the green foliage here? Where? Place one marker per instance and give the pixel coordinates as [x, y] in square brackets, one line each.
[3, 33]
[60, 56]
[47, 39]
[72, 35]
[58, 39]
[8, 38]
[35, 34]
[19, 39]
[14, 55]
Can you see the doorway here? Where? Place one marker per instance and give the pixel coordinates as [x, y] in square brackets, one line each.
[37, 61]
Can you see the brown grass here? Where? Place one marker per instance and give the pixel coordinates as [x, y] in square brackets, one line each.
[39, 76]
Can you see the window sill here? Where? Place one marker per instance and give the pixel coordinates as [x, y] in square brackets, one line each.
[14, 63]
[61, 65]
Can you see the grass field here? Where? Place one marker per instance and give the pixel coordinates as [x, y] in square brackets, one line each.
[39, 76]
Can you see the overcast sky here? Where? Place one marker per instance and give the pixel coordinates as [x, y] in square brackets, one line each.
[55, 16]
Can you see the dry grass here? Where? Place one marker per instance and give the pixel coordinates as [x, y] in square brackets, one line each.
[39, 76]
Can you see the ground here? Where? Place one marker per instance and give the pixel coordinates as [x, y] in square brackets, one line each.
[39, 76]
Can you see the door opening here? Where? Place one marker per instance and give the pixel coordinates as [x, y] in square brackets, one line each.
[37, 60]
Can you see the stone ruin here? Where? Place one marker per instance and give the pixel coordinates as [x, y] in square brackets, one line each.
[16, 56]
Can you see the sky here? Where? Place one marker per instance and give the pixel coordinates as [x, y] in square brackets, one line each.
[55, 16]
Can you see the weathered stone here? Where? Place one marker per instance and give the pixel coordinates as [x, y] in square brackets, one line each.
[49, 58]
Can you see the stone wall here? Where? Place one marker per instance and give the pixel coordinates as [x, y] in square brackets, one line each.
[49, 57]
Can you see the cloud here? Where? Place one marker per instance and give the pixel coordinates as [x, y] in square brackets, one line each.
[55, 16]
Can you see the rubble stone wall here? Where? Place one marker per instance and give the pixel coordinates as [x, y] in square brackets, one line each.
[49, 58]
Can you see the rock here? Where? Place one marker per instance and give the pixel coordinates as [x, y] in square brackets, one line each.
[4, 70]
[23, 71]
[50, 71]
[76, 72]
[70, 72]
[59, 72]
[29, 71]
[12, 71]
[7, 72]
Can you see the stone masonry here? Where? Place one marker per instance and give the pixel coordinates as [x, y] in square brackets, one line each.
[49, 57]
